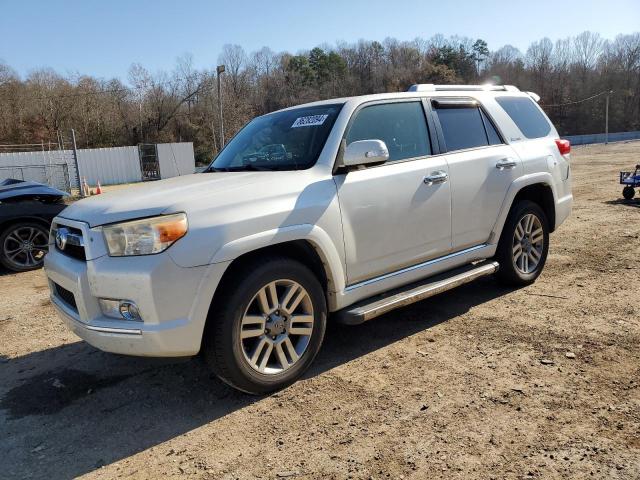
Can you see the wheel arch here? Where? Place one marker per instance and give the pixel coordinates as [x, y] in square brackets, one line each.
[312, 240]
[4, 224]
[537, 188]
[541, 194]
[301, 250]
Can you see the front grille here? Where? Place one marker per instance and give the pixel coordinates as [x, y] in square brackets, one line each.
[66, 296]
[74, 251]
[74, 247]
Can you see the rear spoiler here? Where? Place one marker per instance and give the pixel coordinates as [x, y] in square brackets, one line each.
[534, 95]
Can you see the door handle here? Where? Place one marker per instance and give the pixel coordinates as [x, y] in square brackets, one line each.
[506, 163]
[439, 176]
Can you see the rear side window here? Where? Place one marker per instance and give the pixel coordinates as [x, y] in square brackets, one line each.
[401, 125]
[462, 127]
[492, 133]
[526, 115]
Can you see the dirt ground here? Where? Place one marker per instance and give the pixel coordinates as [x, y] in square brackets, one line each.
[480, 382]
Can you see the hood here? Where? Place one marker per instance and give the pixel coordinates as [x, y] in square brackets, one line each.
[174, 194]
[12, 188]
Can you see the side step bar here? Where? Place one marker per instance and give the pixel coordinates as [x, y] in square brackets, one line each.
[375, 306]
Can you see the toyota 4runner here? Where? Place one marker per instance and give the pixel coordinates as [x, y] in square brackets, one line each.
[350, 207]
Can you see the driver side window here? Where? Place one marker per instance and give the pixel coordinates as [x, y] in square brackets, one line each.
[401, 125]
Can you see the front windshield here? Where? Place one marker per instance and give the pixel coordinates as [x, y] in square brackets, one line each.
[288, 140]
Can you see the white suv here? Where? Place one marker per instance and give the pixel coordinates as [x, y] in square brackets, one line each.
[351, 206]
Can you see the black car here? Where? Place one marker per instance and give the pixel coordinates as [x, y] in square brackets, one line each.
[26, 211]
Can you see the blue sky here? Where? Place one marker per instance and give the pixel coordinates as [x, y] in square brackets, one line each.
[103, 38]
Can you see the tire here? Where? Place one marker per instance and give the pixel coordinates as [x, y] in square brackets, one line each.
[294, 326]
[23, 246]
[628, 193]
[517, 267]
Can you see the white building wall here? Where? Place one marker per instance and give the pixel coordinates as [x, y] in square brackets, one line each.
[176, 159]
[109, 165]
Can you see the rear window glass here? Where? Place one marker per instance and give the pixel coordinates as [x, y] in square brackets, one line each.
[462, 128]
[402, 126]
[526, 115]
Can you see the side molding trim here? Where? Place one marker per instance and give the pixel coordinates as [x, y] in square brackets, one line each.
[413, 267]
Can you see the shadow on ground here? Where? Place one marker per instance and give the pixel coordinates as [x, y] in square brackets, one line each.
[71, 409]
[634, 202]
[5, 271]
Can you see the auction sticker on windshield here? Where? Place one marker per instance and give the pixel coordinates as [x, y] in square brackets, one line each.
[309, 121]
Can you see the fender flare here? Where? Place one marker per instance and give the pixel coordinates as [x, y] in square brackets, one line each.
[313, 234]
[27, 218]
[516, 186]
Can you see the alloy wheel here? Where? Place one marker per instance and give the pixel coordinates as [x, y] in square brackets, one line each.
[276, 327]
[528, 243]
[25, 246]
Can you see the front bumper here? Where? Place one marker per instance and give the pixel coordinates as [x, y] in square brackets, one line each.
[173, 301]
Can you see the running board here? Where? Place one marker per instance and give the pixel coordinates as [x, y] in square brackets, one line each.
[375, 306]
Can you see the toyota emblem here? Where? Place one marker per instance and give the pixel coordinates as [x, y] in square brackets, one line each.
[62, 235]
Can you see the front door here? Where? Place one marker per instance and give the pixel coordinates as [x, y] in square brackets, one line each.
[396, 214]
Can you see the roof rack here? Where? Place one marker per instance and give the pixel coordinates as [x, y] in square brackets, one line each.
[430, 87]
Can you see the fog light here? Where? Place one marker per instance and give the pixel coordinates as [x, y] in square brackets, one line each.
[120, 309]
[129, 311]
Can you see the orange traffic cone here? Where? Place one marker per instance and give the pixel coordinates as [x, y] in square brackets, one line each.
[98, 188]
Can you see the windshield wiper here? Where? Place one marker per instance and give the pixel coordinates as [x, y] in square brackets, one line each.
[246, 168]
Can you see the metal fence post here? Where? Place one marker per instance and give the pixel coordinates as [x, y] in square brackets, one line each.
[606, 120]
[220, 70]
[75, 159]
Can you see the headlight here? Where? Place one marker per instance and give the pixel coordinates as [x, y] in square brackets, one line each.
[145, 237]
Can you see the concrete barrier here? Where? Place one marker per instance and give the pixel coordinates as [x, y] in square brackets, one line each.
[599, 137]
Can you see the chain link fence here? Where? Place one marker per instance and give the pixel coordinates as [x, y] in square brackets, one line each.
[55, 175]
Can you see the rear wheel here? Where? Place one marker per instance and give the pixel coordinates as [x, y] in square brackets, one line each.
[23, 246]
[269, 326]
[628, 193]
[524, 244]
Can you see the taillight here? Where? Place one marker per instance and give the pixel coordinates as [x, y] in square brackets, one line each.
[564, 146]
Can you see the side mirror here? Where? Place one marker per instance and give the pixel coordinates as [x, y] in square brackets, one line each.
[365, 152]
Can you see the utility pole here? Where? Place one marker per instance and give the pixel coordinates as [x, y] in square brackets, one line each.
[220, 70]
[75, 159]
[140, 137]
[606, 118]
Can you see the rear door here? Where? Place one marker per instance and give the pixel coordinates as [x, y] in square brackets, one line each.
[392, 217]
[481, 168]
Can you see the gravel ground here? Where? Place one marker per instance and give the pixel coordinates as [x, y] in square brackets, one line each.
[480, 382]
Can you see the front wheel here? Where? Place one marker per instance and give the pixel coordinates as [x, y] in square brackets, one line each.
[23, 246]
[524, 244]
[266, 326]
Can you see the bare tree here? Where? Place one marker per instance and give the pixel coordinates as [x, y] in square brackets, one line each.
[235, 60]
[588, 47]
[182, 104]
